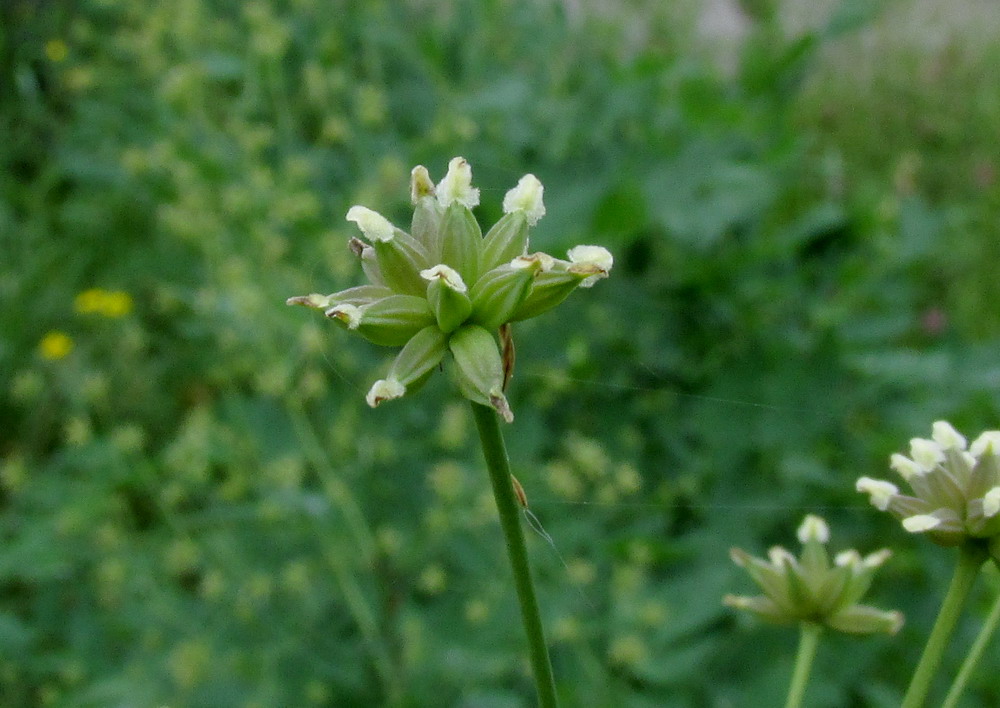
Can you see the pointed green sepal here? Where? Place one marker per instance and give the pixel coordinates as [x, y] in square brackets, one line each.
[549, 290]
[507, 240]
[499, 293]
[358, 296]
[388, 322]
[461, 239]
[400, 260]
[862, 619]
[479, 370]
[448, 297]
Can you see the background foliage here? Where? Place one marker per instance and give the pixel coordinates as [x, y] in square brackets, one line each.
[197, 508]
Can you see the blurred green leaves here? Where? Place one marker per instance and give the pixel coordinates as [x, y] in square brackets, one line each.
[196, 507]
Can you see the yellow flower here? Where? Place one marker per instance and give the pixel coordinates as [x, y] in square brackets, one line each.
[55, 345]
[56, 50]
[108, 303]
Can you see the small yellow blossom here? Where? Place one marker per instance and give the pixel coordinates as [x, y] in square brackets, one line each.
[55, 345]
[107, 303]
[56, 50]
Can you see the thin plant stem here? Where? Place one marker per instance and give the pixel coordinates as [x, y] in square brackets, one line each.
[498, 465]
[975, 654]
[970, 559]
[808, 641]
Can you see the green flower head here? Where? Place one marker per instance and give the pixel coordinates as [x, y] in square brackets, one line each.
[956, 491]
[446, 288]
[811, 588]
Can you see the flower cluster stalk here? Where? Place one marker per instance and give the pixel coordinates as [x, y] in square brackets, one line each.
[809, 634]
[972, 658]
[970, 559]
[498, 465]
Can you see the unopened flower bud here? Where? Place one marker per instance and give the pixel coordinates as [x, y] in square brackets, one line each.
[813, 528]
[479, 368]
[594, 261]
[373, 225]
[498, 294]
[987, 443]
[461, 239]
[393, 320]
[526, 198]
[946, 436]
[906, 467]
[448, 297]
[384, 390]
[879, 492]
[456, 187]
[506, 240]
[926, 453]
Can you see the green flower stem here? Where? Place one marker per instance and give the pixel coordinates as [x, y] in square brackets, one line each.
[510, 519]
[970, 559]
[808, 641]
[975, 654]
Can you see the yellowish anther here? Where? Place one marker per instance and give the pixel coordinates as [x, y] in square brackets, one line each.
[921, 523]
[526, 197]
[420, 184]
[879, 491]
[813, 528]
[594, 260]
[384, 390]
[456, 187]
[373, 225]
[447, 275]
[947, 437]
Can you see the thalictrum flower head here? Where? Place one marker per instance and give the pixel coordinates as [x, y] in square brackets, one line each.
[811, 588]
[956, 487]
[445, 288]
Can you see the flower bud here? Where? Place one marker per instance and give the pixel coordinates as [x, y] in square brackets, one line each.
[427, 213]
[549, 289]
[507, 240]
[592, 261]
[461, 240]
[479, 370]
[526, 198]
[497, 295]
[360, 295]
[811, 589]
[389, 322]
[456, 187]
[448, 297]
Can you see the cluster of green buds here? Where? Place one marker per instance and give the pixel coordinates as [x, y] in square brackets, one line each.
[956, 491]
[445, 287]
[811, 588]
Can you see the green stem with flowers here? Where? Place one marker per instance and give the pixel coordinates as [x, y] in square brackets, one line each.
[970, 560]
[498, 464]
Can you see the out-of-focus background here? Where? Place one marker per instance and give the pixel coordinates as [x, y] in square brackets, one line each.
[198, 509]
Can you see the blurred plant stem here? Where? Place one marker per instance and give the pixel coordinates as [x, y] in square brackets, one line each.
[973, 657]
[808, 641]
[362, 539]
[970, 559]
[498, 465]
